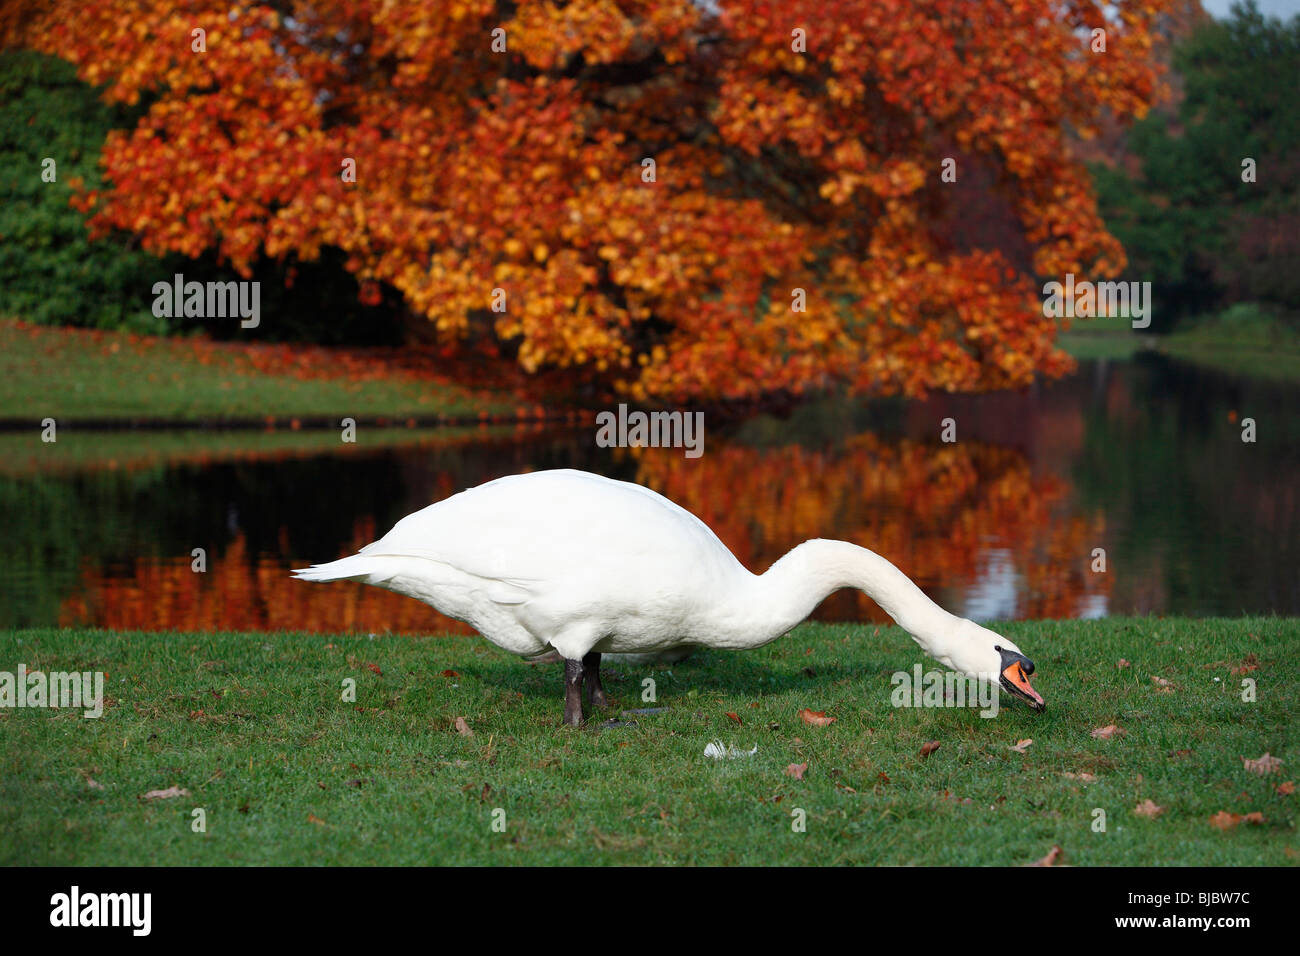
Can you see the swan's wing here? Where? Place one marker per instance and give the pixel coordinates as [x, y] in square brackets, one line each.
[526, 534]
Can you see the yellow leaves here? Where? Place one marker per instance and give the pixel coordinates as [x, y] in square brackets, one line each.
[541, 251]
[608, 253]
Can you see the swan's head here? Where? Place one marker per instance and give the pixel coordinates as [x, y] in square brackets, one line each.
[979, 652]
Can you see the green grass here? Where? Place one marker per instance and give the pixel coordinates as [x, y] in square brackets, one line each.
[253, 726]
[23, 453]
[1244, 340]
[1105, 337]
[66, 374]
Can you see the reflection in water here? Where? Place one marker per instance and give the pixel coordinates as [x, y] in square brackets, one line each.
[1141, 459]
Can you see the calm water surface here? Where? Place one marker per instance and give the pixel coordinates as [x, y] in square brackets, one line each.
[1143, 459]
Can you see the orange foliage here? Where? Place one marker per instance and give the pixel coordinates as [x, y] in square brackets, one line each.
[522, 170]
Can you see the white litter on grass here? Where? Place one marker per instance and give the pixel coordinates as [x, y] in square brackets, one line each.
[719, 751]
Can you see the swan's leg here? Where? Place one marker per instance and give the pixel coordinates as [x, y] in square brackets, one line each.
[572, 692]
[591, 678]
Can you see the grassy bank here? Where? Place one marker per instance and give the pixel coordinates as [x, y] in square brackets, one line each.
[74, 374]
[1242, 341]
[252, 725]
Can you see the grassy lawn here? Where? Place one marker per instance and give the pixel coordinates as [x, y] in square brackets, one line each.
[1105, 337]
[24, 454]
[1241, 341]
[77, 374]
[252, 725]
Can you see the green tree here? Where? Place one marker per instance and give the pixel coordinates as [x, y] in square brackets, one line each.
[1191, 225]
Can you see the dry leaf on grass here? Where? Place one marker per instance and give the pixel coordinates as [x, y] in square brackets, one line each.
[796, 770]
[1285, 789]
[1122, 663]
[1084, 776]
[929, 747]
[1251, 663]
[735, 717]
[1262, 765]
[1161, 683]
[312, 818]
[165, 794]
[450, 673]
[1020, 746]
[816, 718]
[375, 668]
[1226, 821]
[1053, 858]
[462, 728]
[1149, 809]
[1109, 731]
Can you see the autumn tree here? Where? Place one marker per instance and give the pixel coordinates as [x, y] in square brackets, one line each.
[675, 200]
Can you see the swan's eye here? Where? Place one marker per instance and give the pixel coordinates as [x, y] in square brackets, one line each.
[998, 648]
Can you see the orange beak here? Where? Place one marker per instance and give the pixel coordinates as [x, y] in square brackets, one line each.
[1015, 676]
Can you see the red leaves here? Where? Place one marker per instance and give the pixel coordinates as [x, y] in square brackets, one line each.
[929, 747]
[1054, 857]
[815, 718]
[735, 717]
[469, 182]
[1224, 820]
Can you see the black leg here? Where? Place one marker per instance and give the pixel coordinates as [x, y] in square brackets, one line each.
[572, 692]
[591, 679]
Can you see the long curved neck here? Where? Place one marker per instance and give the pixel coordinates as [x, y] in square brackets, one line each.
[774, 602]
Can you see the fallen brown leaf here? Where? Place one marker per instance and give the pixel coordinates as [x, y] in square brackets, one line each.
[796, 770]
[735, 717]
[1122, 663]
[1148, 809]
[1109, 731]
[375, 668]
[1262, 765]
[167, 794]
[450, 673]
[1053, 858]
[929, 747]
[312, 818]
[1020, 746]
[1226, 821]
[462, 728]
[816, 718]
[1285, 789]
[1084, 776]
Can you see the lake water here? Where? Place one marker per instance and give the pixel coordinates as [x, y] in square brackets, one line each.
[1143, 459]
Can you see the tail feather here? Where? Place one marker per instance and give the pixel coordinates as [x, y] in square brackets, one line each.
[371, 570]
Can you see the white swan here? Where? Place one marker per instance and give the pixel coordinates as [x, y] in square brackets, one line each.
[587, 565]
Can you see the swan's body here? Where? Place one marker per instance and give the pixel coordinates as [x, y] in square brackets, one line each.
[586, 565]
